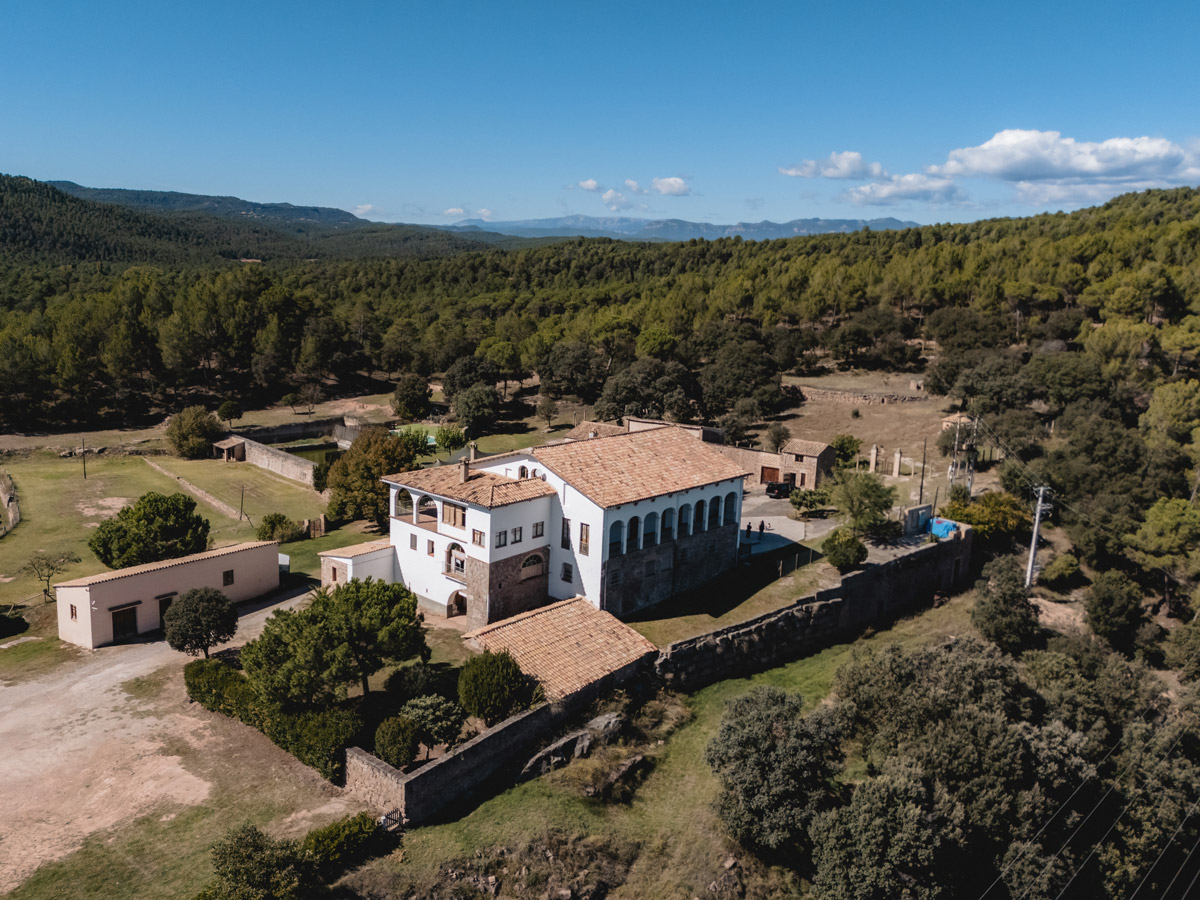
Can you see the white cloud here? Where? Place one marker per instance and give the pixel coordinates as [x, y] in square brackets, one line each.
[845, 165]
[363, 210]
[673, 186]
[590, 184]
[453, 211]
[634, 187]
[902, 188]
[1019, 155]
[485, 214]
[615, 200]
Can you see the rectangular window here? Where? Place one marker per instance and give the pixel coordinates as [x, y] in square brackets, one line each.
[539, 528]
[585, 537]
[429, 547]
[516, 534]
[454, 515]
[412, 542]
[566, 534]
[227, 577]
[501, 538]
[333, 574]
[568, 573]
[74, 613]
[477, 538]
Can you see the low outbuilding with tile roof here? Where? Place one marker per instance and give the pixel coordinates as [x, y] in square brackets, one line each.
[119, 605]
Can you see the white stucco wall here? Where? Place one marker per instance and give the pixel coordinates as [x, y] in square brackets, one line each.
[255, 572]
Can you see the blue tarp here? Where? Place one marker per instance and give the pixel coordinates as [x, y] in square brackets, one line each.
[940, 527]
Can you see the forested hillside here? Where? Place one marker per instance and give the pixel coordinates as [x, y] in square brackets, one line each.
[41, 225]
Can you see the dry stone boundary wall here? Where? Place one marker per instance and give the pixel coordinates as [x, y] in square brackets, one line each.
[857, 397]
[297, 468]
[10, 509]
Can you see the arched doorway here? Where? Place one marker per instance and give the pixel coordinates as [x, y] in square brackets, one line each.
[456, 562]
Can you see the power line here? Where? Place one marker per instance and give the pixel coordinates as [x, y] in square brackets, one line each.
[1166, 847]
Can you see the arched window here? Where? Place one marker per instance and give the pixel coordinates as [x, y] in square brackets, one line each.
[668, 525]
[714, 513]
[523, 472]
[456, 561]
[427, 512]
[532, 566]
[685, 520]
[731, 508]
[616, 539]
[650, 530]
[633, 542]
[699, 516]
[404, 504]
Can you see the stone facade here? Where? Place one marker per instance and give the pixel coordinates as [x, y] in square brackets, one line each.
[804, 471]
[333, 572]
[294, 467]
[509, 594]
[650, 575]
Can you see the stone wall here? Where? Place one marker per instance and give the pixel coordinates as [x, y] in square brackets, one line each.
[294, 467]
[340, 427]
[872, 595]
[508, 594]
[858, 398]
[650, 575]
[10, 509]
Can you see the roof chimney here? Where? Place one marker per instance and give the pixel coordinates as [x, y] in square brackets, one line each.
[464, 470]
[472, 449]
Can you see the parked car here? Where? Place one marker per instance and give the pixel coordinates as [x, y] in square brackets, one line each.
[780, 490]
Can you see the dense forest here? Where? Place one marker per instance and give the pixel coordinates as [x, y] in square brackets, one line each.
[1075, 338]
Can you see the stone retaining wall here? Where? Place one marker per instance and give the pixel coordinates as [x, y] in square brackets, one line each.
[10, 509]
[858, 398]
[341, 428]
[297, 468]
[870, 596]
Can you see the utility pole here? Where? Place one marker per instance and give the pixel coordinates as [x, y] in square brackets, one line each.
[972, 455]
[921, 493]
[83, 455]
[1041, 507]
[242, 503]
[954, 459]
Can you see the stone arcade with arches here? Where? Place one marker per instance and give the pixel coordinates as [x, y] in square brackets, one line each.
[626, 521]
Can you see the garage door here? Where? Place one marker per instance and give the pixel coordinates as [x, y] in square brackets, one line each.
[769, 474]
[124, 624]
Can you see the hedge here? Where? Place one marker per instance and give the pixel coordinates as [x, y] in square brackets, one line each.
[345, 844]
[317, 738]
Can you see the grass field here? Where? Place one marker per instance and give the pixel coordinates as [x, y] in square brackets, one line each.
[265, 492]
[671, 816]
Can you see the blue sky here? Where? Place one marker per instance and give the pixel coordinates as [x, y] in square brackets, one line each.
[702, 111]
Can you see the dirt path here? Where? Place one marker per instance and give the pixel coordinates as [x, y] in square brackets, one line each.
[82, 754]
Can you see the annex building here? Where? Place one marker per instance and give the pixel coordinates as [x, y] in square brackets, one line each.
[625, 519]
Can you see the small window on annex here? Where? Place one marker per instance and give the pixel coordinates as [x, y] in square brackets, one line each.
[539, 529]
[227, 577]
[74, 613]
[412, 542]
[585, 538]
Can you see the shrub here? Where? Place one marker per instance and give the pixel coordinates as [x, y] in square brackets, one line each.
[1114, 609]
[290, 400]
[249, 864]
[209, 682]
[318, 739]
[192, 431]
[278, 527]
[344, 844]
[200, 619]
[437, 720]
[1063, 569]
[409, 682]
[843, 550]
[396, 741]
[1003, 613]
[492, 687]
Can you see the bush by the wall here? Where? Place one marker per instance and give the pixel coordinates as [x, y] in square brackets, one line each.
[278, 527]
[345, 844]
[409, 682]
[492, 687]
[396, 741]
[843, 550]
[318, 739]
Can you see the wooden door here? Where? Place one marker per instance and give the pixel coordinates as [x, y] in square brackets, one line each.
[125, 626]
[769, 474]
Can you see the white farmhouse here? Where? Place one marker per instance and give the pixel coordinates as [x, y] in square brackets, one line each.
[119, 605]
[625, 520]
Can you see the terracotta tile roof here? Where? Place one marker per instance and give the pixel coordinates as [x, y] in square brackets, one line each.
[229, 442]
[165, 564]
[356, 550]
[805, 448]
[485, 489]
[566, 645]
[586, 430]
[636, 466]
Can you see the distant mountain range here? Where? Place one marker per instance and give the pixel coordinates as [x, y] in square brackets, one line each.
[627, 228]
[221, 207]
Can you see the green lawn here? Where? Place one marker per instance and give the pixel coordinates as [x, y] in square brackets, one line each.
[671, 816]
[738, 596]
[265, 492]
